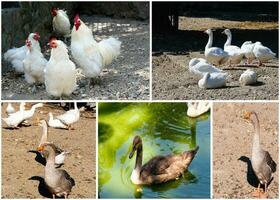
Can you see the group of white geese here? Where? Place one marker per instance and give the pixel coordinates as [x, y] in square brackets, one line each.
[58, 181]
[213, 77]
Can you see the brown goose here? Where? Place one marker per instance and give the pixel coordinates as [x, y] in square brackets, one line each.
[262, 163]
[159, 169]
[58, 181]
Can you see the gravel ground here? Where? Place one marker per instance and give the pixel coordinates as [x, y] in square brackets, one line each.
[22, 175]
[232, 145]
[126, 78]
[173, 51]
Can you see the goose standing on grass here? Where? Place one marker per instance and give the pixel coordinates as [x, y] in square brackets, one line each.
[213, 80]
[159, 169]
[262, 53]
[249, 77]
[196, 109]
[247, 49]
[58, 181]
[59, 153]
[199, 66]
[71, 116]
[262, 163]
[55, 123]
[10, 109]
[214, 55]
[234, 52]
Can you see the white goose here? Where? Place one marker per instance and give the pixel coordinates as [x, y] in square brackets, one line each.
[263, 53]
[214, 55]
[249, 77]
[55, 123]
[196, 109]
[199, 66]
[70, 117]
[16, 118]
[213, 80]
[234, 52]
[247, 49]
[10, 109]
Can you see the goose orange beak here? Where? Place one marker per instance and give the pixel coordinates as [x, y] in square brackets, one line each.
[247, 115]
[40, 148]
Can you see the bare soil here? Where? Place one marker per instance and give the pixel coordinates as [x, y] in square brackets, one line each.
[126, 78]
[233, 176]
[22, 175]
[172, 52]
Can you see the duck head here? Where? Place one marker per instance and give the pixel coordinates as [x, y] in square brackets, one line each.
[136, 145]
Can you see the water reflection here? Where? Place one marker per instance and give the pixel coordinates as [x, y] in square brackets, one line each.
[164, 129]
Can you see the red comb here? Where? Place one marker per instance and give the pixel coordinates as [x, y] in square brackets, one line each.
[76, 17]
[52, 38]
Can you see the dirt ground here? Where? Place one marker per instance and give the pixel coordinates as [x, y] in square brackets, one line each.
[233, 176]
[126, 78]
[173, 51]
[22, 175]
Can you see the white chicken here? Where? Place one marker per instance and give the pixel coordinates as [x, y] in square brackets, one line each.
[16, 55]
[34, 65]
[90, 55]
[61, 23]
[60, 71]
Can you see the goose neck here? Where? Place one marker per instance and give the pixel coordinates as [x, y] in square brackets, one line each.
[228, 42]
[256, 138]
[139, 157]
[44, 137]
[210, 41]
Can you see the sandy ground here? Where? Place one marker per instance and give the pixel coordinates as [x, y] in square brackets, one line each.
[232, 144]
[126, 78]
[22, 174]
[173, 51]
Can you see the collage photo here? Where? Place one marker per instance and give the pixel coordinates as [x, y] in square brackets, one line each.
[149, 99]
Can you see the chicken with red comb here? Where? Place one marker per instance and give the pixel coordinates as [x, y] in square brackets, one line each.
[61, 22]
[89, 54]
[15, 56]
[60, 72]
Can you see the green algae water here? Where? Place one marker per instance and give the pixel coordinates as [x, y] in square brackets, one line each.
[164, 129]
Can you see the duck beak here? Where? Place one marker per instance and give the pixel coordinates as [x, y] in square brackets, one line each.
[132, 152]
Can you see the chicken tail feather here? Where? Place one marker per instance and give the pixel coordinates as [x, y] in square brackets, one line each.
[109, 49]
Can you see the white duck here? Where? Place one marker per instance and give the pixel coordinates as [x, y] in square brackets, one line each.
[214, 55]
[10, 109]
[196, 109]
[249, 77]
[234, 52]
[199, 66]
[247, 49]
[70, 117]
[55, 123]
[213, 80]
[16, 118]
[263, 53]
[60, 154]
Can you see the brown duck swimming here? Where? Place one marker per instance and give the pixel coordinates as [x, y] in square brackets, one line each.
[159, 169]
[58, 181]
[262, 163]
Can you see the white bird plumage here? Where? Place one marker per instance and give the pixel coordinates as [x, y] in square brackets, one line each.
[70, 117]
[247, 49]
[234, 52]
[263, 53]
[55, 123]
[34, 64]
[249, 77]
[214, 55]
[10, 109]
[16, 55]
[196, 109]
[213, 80]
[60, 71]
[90, 55]
[199, 66]
[61, 23]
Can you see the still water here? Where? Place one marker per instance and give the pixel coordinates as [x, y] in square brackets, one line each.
[164, 129]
